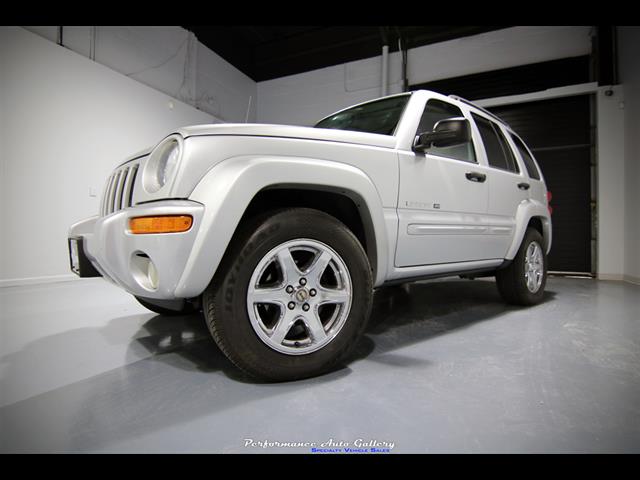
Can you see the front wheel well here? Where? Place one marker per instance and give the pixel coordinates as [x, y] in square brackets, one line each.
[345, 206]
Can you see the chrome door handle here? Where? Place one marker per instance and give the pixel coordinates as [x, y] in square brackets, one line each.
[475, 177]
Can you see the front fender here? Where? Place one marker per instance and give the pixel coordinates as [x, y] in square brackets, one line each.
[228, 188]
[526, 211]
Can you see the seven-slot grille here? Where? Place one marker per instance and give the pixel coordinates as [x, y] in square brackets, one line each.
[119, 189]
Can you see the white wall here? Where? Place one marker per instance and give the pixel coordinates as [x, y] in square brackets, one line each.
[65, 122]
[629, 56]
[223, 90]
[169, 59]
[611, 182]
[305, 98]
[496, 50]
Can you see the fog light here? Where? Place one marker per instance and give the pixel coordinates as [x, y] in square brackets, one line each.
[160, 224]
[144, 271]
[152, 275]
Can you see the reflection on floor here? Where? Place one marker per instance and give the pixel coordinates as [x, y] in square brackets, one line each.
[444, 366]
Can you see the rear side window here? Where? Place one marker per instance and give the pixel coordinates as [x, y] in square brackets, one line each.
[529, 162]
[437, 110]
[499, 153]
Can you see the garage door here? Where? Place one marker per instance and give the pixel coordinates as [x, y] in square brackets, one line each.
[559, 134]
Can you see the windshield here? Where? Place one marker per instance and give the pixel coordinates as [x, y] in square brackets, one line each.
[380, 116]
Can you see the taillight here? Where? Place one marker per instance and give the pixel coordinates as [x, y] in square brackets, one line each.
[549, 197]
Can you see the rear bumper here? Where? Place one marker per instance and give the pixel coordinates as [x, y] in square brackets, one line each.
[123, 258]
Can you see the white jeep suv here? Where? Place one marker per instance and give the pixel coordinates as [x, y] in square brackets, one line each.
[279, 234]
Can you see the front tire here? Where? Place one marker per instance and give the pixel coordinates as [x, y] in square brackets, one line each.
[524, 280]
[291, 297]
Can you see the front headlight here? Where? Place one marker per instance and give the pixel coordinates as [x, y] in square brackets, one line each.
[162, 164]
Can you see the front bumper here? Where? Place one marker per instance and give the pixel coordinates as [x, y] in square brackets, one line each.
[78, 260]
[122, 257]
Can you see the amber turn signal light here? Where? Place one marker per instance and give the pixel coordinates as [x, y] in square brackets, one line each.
[160, 224]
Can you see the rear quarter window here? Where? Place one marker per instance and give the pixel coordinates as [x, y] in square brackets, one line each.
[529, 162]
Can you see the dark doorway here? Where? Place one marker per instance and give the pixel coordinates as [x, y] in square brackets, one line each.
[558, 132]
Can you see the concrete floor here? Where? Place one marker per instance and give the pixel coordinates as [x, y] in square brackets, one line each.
[445, 366]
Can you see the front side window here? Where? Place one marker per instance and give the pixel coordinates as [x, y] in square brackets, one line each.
[437, 110]
[380, 116]
[499, 154]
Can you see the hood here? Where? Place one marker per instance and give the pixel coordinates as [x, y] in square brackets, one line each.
[287, 131]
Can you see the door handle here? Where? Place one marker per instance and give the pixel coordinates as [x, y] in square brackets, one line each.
[475, 177]
[523, 186]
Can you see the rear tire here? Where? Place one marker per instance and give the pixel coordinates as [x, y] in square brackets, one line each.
[524, 280]
[291, 297]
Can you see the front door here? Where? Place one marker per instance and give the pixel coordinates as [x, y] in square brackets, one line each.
[443, 200]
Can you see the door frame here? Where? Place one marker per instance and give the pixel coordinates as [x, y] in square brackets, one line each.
[607, 168]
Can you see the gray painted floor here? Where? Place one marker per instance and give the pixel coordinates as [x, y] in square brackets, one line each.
[444, 367]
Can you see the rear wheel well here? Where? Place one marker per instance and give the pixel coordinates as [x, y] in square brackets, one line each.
[536, 224]
[345, 206]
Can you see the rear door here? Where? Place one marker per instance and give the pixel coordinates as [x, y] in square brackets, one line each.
[538, 189]
[507, 186]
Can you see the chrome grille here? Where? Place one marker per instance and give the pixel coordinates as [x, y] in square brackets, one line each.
[118, 191]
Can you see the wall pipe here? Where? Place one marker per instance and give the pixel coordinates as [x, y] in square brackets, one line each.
[385, 70]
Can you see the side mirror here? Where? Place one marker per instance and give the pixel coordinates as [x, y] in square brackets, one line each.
[446, 133]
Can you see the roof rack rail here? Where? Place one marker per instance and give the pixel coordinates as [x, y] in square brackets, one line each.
[484, 110]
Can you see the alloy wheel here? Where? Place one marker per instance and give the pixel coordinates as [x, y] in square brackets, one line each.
[299, 296]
